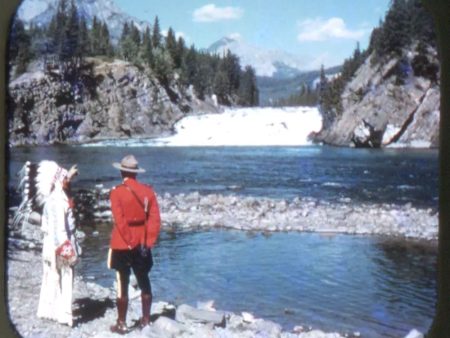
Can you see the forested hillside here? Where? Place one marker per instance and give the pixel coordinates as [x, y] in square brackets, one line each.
[67, 41]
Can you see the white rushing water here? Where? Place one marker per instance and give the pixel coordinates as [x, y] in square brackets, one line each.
[289, 126]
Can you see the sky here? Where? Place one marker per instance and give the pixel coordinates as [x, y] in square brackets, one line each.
[326, 31]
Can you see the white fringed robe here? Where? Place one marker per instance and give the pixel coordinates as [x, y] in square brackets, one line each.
[58, 224]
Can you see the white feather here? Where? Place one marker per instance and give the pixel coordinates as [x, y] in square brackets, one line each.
[43, 182]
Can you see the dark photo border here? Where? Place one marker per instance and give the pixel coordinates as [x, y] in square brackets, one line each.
[441, 12]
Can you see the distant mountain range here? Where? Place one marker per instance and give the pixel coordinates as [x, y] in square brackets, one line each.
[279, 74]
[40, 12]
[271, 63]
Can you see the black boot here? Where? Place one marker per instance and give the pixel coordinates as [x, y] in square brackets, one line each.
[146, 300]
[121, 324]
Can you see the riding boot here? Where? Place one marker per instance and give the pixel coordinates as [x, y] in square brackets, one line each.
[121, 324]
[146, 300]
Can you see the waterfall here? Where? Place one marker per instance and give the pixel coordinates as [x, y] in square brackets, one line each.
[261, 126]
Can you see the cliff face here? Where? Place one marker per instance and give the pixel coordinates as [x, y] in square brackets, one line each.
[105, 100]
[386, 104]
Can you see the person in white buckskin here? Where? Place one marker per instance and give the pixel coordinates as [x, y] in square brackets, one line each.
[58, 226]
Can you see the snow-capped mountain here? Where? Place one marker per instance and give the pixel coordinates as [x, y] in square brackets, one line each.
[41, 12]
[271, 63]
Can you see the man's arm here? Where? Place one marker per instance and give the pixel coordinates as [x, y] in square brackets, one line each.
[154, 221]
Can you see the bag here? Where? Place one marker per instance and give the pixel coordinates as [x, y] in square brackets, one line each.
[66, 254]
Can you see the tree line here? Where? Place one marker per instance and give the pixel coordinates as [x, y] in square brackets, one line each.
[68, 40]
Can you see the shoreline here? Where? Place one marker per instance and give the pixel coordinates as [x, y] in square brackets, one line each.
[94, 308]
[212, 211]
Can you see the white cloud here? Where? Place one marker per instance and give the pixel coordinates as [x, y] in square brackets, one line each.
[320, 30]
[211, 13]
[235, 36]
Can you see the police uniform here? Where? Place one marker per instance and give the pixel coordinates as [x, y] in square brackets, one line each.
[137, 224]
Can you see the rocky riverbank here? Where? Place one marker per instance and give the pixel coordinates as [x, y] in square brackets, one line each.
[94, 310]
[93, 305]
[194, 210]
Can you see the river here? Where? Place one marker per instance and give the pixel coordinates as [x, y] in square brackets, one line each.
[372, 285]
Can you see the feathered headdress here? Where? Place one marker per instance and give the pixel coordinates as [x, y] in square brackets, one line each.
[36, 182]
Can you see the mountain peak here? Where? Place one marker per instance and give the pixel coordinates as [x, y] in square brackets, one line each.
[271, 63]
[41, 11]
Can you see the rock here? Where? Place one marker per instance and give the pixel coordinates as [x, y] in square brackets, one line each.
[378, 110]
[166, 327]
[186, 314]
[114, 99]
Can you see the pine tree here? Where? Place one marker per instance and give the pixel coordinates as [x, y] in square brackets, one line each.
[163, 65]
[83, 39]
[156, 35]
[180, 53]
[233, 69]
[19, 47]
[171, 44]
[147, 48]
[191, 65]
[95, 36]
[71, 35]
[395, 33]
[221, 87]
[129, 49]
[248, 89]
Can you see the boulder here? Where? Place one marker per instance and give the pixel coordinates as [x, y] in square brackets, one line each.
[186, 314]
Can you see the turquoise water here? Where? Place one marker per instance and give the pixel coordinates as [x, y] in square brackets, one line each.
[392, 176]
[371, 285]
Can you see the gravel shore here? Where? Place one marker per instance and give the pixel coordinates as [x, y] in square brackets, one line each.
[94, 306]
[94, 310]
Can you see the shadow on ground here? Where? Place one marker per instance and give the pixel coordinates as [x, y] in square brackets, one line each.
[88, 309]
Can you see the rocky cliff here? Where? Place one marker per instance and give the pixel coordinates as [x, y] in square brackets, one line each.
[104, 99]
[387, 104]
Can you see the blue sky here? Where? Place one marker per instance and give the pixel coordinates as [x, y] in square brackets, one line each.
[324, 30]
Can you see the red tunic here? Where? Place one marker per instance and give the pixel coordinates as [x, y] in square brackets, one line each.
[129, 216]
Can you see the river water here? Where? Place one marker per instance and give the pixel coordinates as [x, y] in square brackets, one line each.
[373, 285]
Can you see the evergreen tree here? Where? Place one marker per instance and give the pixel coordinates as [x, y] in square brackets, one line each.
[19, 46]
[180, 53]
[248, 89]
[57, 30]
[421, 23]
[95, 36]
[129, 46]
[191, 65]
[204, 75]
[156, 35]
[323, 84]
[147, 48]
[171, 44]
[233, 70]
[105, 47]
[135, 34]
[221, 87]
[69, 44]
[163, 65]
[83, 39]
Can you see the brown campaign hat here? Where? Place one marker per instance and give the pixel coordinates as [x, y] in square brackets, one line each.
[128, 163]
